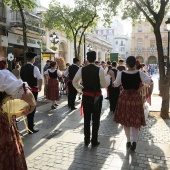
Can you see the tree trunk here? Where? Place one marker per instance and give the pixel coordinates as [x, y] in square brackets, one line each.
[164, 79]
[75, 47]
[165, 97]
[24, 27]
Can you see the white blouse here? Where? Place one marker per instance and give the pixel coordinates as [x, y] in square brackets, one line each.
[59, 73]
[104, 80]
[144, 77]
[10, 84]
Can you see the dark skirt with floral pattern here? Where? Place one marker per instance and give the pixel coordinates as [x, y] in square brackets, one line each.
[11, 150]
[53, 89]
[129, 111]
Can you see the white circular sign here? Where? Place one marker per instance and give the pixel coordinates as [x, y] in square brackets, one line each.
[10, 57]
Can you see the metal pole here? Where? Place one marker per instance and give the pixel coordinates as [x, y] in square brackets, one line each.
[168, 51]
[84, 48]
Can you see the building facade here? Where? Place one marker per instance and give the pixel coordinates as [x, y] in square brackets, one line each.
[143, 44]
[115, 34]
[11, 35]
[3, 32]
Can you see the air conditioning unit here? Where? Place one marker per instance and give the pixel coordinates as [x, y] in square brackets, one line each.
[3, 41]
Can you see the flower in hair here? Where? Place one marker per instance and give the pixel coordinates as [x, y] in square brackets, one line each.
[2, 65]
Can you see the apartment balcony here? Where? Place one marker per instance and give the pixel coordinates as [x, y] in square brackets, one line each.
[33, 22]
[2, 13]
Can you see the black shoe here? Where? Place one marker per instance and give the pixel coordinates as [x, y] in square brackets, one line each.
[33, 131]
[93, 144]
[86, 144]
[133, 146]
[53, 107]
[73, 108]
[128, 144]
[56, 105]
[107, 98]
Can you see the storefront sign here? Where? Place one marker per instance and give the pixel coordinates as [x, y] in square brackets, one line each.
[18, 40]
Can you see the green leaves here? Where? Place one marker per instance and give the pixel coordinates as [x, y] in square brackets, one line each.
[25, 4]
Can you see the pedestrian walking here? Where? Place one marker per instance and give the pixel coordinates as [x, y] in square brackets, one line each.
[11, 150]
[93, 78]
[129, 111]
[72, 92]
[53, 84]
[121, 65]
[31, 74]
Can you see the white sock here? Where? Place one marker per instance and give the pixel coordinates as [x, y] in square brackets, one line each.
[127, 132]
[135, 132]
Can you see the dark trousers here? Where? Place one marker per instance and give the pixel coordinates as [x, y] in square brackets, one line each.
[72, 92]
[30, 116]
[114, 93]
[92, 109]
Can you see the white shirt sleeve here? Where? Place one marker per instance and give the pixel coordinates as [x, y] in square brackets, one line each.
[59, 73]
[9, 83]
[145, 78]
[104, 80]
[37, 73]
[66, 72]
[77, 79]
[46, 72]
[118, 81]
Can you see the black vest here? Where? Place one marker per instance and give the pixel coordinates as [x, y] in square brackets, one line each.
[53, 75]
[72, 71]
[90, 78]
[130, 81]
[27, 75]
[115, 73]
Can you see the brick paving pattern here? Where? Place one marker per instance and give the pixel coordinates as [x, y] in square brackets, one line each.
[59, 144]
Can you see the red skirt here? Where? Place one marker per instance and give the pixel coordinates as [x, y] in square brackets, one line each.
[129, 111]
[11, 151]
[53, 89]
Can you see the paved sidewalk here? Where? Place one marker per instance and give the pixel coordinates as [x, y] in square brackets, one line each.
[59, 143]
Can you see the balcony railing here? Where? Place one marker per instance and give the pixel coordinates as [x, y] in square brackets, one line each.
[2, 12]
[33, 22]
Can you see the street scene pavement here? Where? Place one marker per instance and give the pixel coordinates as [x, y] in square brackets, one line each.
[59, 145]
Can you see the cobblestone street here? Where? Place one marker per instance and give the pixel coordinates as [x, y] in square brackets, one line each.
[59, 143]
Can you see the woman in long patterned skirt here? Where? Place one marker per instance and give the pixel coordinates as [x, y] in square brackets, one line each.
[11, 150]
[52, 75]
[129, 111]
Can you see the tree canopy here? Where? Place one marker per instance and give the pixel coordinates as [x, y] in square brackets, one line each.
[154, 12]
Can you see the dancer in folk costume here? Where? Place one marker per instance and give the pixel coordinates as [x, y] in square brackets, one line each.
[31, 74]
[72, 92]
[93, 78]
[113, 91]
[11, 151]
[52, 76]
[129, 111]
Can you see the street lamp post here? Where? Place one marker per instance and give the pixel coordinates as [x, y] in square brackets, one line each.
[168, 29]
[89, 47]
[54, 38]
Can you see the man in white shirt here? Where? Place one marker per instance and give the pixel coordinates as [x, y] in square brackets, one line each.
[31, 74]
[93, 78]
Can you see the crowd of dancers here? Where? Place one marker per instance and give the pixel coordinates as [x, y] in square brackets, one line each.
[122, 82]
